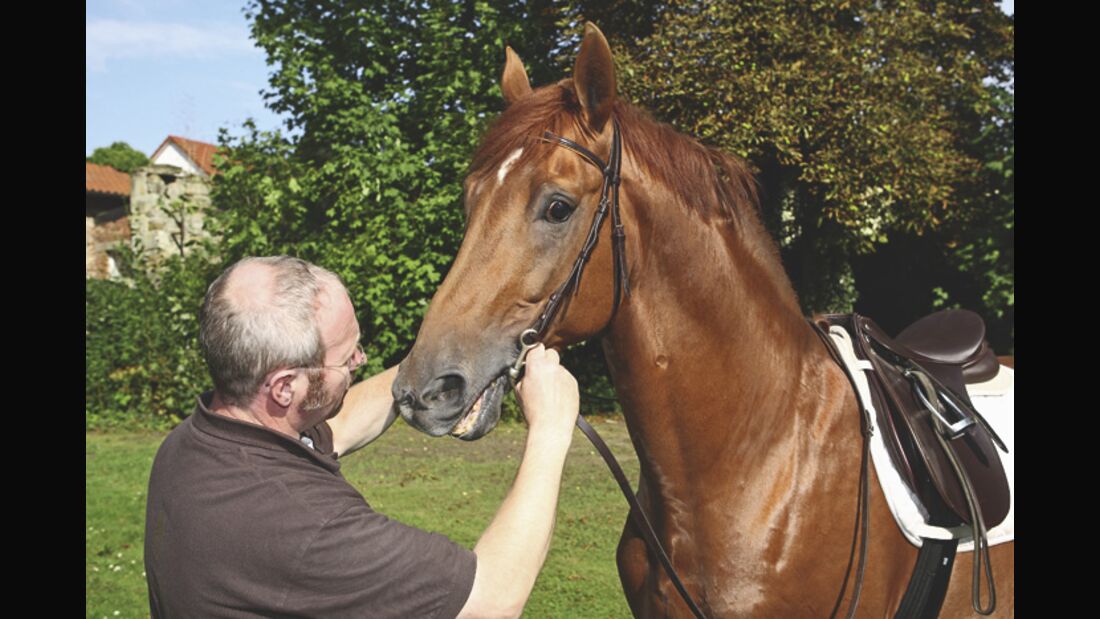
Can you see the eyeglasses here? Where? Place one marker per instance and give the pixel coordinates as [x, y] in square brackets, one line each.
[358, 358]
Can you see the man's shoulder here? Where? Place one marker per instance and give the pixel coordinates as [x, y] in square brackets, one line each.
[212, 465]
[173, 444]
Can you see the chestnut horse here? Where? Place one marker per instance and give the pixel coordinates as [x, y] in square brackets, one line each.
[747, 432]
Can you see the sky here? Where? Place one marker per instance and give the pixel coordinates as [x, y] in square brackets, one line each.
[159, 67]
[155, 68]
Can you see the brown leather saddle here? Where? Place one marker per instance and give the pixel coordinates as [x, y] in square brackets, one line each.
[918, 389]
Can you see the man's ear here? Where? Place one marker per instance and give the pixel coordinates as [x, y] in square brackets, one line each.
[280, 387]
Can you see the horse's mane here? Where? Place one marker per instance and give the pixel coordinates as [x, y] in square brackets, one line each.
[709, 181]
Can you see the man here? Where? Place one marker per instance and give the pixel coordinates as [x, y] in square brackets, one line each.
[247, 512]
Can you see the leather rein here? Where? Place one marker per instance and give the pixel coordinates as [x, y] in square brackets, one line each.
[609, 201]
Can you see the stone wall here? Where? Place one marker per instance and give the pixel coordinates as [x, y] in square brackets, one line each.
[100, 237]
[163, 199]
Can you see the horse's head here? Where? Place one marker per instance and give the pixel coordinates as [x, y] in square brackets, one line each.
[529, 208]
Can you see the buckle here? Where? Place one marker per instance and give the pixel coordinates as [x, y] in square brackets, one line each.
[940, 404]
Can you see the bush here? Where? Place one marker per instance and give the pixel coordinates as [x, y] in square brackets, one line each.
[142, 359]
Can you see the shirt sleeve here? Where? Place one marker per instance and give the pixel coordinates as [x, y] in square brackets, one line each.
[364, 564]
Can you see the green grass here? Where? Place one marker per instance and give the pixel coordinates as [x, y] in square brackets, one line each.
[443, 485]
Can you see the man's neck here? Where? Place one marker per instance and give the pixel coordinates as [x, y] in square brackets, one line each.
[253, 415]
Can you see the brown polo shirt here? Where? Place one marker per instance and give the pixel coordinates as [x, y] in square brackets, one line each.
[243, 521]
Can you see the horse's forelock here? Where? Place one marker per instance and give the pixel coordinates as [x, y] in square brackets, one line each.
[522, 124]
[708, 180]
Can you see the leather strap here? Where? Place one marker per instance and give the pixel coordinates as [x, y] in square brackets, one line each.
[636, 513]
[609, 201]
[981, 540]
[863, 510]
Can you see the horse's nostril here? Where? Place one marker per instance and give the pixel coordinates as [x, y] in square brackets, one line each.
[447, 387]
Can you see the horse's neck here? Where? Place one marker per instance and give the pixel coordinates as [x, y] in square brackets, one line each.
[711, 357]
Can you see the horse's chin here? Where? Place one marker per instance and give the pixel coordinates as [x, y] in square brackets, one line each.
[484, 412]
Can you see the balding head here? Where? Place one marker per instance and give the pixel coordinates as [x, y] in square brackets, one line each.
[261, 315]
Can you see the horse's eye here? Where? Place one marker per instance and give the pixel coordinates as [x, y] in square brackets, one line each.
[559, 211]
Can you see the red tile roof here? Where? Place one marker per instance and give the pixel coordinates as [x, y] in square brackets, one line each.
[202, 153]
[105, 179]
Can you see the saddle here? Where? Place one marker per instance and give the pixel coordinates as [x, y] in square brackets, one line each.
[941, 446]
[918, 388]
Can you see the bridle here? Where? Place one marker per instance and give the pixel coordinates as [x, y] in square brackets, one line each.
[609, 201]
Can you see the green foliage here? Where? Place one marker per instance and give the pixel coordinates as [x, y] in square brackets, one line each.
[120, 156]
[143, 367]
[982, 242]
[387, 100]
[860, 115]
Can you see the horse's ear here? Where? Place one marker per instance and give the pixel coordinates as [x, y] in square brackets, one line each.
[514, 83]
[594, 78]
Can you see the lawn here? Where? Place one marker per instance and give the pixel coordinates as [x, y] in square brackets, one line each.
[443, 485]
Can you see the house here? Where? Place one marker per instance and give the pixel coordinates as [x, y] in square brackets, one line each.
[191, 156]
[106, 201]
[158, 208]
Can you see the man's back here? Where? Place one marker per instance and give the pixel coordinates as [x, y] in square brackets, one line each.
[242, 520]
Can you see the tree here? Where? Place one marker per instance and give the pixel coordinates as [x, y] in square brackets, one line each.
[120, 156]
[860, 116]
[983, 240]
[385, 103]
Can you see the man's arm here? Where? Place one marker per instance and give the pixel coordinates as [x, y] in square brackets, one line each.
[512, 550]
[367, 412]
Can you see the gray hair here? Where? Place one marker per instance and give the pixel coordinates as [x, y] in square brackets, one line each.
[244, 340]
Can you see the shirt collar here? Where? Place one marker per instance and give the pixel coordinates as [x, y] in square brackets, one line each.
[255, 435]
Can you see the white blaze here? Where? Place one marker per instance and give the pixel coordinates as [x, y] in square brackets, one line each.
[507, 165]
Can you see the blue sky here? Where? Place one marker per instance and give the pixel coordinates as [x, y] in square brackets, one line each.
[159, 67]
[182, 67]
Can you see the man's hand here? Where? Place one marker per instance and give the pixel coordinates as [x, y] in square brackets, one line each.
[548, 393]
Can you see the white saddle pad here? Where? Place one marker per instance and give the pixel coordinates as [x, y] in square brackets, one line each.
[994, 399]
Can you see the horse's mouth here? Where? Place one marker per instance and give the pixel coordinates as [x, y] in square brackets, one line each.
[484, 412]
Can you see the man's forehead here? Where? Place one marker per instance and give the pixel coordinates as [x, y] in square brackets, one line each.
[333, 298]
[335, 313]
